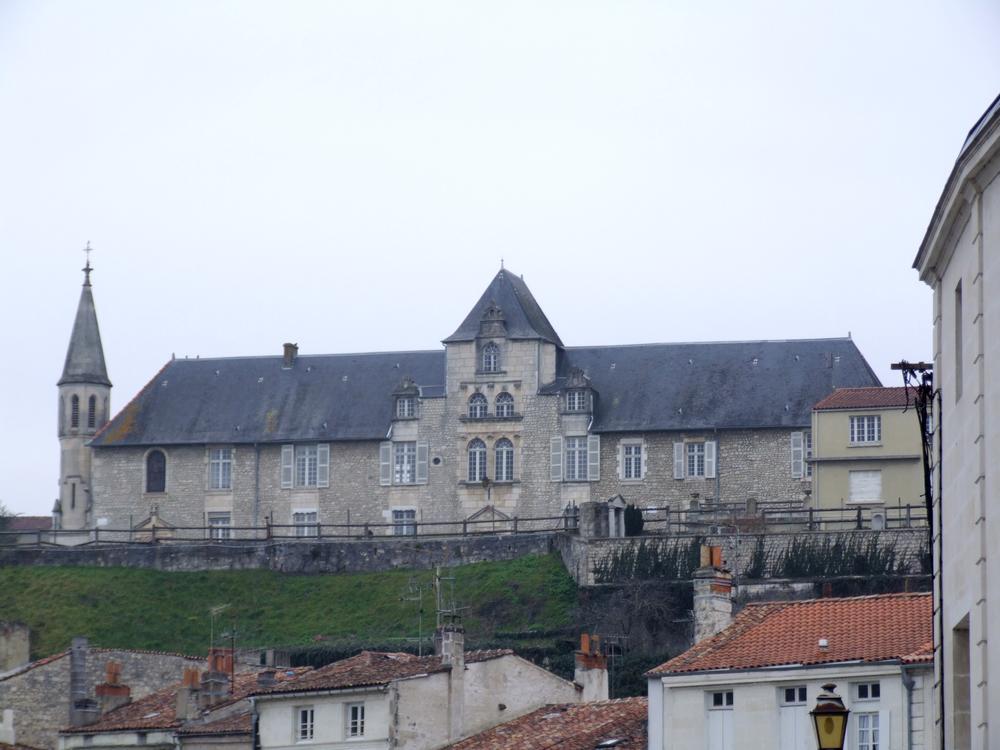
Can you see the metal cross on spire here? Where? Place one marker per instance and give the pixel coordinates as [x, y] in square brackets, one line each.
[87, 268]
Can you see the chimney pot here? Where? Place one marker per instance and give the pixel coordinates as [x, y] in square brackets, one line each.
[591, 671]
[291, 352]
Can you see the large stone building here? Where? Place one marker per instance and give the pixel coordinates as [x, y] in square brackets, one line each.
[504, 418]
[960, 259]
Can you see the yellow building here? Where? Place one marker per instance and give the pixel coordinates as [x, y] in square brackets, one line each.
[866, 452]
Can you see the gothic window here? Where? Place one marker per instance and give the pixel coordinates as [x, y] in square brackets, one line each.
[504, 450]
[92, 412]
[491, 358]
[478, 406]
[477, 460]
[156, 472]
[74, 411]
[505, 405]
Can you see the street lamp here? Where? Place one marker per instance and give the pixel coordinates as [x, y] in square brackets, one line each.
[830, 719]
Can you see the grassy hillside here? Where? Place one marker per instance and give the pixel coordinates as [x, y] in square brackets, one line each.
[148, 609]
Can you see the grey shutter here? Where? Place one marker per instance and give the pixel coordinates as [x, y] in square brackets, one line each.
[385, 463]
[644, 457]
[422, 463]
[621, 460]
[798, 449]
[287, 462]
[323, 465]
[710, 452]
[556, 458]
[594, 458]
[678, 460]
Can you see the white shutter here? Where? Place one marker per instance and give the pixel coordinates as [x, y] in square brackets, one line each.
[385, 463]
[422, 463]
[678, 460]
[594, 458]
[644, 456]
[556, 459]
[323, 465]
[798, 451]
[710, 451]
[287, 462]
[865, 485]
[884, 728]
[621, 460]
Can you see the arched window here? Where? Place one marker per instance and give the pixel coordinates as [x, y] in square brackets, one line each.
[478, 406]
[491, 358]
[477, 460]
[505, 405]
[74, 411]
[92, 412]
[504, 450]
[156, 472]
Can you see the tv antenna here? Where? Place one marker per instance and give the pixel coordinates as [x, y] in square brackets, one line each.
[414, 592]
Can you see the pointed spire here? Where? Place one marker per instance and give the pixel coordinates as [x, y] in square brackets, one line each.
[85, 355]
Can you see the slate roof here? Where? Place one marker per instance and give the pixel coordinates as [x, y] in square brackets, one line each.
[570, 726]
[159, 710]
[866, 398]
[720, 385]
[893, 627]
[374, 668]
[85, 355]
[522, 314]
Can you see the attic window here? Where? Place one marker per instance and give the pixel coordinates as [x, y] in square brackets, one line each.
[406, 407]
[491, 358]
[576, 400]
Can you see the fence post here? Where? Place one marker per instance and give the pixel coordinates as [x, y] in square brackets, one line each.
[152, 537]
[908, 519]
[859, 519]
[465, 527]
[515, 524]
[811, 526]
[667, 520]
[38, 539]
[367, 532]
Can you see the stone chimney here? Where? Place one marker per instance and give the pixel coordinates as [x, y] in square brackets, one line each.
[215, 685]
[111, 693]
[267, 678]
[449, 644]
[83, 710]
[188, 694]
[290, 355]
[591, 672]
[713, 595]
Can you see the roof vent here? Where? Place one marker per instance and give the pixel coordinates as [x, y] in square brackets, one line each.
[824, 643]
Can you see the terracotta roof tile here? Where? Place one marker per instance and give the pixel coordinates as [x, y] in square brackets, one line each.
[866, 398]
[865, 628]
[159, 710]
[370, 668]
[570, 726]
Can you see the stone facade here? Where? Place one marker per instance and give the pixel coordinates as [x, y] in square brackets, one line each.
[39, 694]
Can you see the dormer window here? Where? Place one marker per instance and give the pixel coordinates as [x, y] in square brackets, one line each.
[491, 358]
[478, 406]
[577, 400]
[406, 407]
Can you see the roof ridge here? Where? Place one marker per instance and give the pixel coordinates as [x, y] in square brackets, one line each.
[703, 343]
[814, 600]
[188, 358]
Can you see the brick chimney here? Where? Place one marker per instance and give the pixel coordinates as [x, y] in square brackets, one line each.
[291, 353]
[449, 644]
[188, 694]
[713, 595]
[215, 686]
[591, 672]
[111, 693]
[83, 710]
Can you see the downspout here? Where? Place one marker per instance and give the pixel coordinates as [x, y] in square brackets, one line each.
[254, 734]
[908, 683]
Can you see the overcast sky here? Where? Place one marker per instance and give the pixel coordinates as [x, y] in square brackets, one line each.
[348, 175]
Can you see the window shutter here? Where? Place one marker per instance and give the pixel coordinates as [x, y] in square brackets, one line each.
[287, 460]
[678, 460]
[323, 465]
[621, 460]
[422, 451]
[556, 459]
[644, 456]
[385, 463]
[594, 458]
[797, 454]
[711, 448]
[884, 728]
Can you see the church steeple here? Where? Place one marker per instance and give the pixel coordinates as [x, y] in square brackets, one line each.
[85, 355]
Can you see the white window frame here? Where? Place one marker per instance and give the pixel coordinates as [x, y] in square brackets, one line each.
[576, 400]
[304, 729]
[490, 358]
[404, 462]
[866, 429]
[307, 465]
[866, 691]
[503, 405]
[575, 451]
[477, 452]
[220, 468]
[479, 406]
[354, 721]
[406, 407]
[694, 459]
[503, 460]
[304, 526]
[632, 460]
[404, 521]
[799, 695]
[868, 730]
[220, 525]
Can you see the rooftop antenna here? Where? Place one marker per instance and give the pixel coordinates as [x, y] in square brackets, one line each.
[414, 592]
[444, 590]
[213, 613]
[87, 268]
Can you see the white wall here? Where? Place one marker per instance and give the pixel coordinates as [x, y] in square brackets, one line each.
[278, 715]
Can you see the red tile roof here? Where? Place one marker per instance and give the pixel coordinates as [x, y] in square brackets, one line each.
[29, 523]
[866, 398]
[241, 723]
[370, 668]
[866, 628]
[159, 710]
[570, 726]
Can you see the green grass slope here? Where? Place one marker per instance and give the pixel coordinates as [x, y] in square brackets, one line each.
[146, 609]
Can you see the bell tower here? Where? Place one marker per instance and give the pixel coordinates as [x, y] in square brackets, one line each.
[84, 408]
